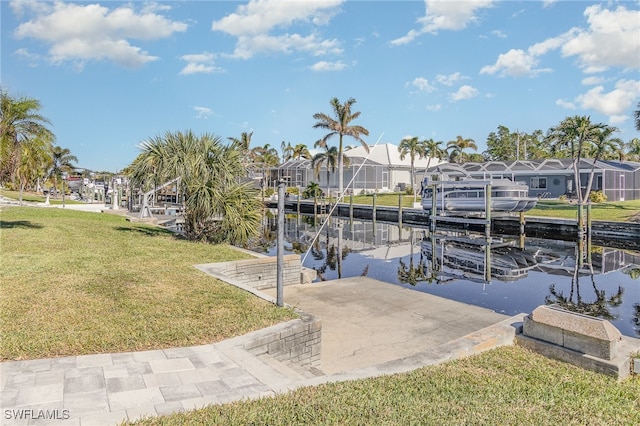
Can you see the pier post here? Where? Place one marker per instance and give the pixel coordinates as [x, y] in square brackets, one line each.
[351, 207]
[373, 213]
[487, 212]
[589, 231]
[434, 194]
[580, 234]
[280, 247]
[299, 195]
[400, 211]
[487, 261]
[522, 230]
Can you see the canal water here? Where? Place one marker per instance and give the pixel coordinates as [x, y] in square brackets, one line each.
[522, 274]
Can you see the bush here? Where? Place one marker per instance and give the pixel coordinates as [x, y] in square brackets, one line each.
[292, 190]
[597, 197]
[563, 197]
[408, 190]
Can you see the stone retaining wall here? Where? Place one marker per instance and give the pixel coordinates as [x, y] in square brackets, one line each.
[297, 342]
[261, 273]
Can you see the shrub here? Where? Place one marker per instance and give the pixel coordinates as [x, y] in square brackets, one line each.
[408, 190]
[597, 197]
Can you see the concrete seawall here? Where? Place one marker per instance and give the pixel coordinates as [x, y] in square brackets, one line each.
[624, 235]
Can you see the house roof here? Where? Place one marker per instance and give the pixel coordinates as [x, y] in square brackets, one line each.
[386, 154]
[534, 166]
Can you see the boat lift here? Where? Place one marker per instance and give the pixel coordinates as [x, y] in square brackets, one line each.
[145, 210]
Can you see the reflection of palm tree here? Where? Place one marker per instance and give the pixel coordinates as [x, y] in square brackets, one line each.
[410, 274]
[598, 308]
[636, 317]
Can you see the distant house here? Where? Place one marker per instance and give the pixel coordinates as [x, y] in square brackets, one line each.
[380, 170]
[619, 180]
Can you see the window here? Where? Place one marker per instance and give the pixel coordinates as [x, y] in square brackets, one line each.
[538, 183]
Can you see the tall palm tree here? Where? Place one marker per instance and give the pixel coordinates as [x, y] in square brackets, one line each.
[20, 123]
[300, 151]
[328, 158]
[636, 115]
[412, 147]
[61, 162]
[339, 125]
[604, 143]
[457, 147]
[35, 160]
[287, 151]
[633, 150]
[218, 205]
[573, 135]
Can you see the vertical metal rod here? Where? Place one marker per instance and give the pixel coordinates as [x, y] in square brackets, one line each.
[589, 231]
[351, 207]
[400, 210]
[487, 208]
[580, 235]
[434, 202]
[522, 230]
[373, 213]
[280, 247]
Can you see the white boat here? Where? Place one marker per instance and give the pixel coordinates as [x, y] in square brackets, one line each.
[466, 195]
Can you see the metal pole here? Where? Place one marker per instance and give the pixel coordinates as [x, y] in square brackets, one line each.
[373, 213]
[487, 227]
[280, 247]
[400, 210]
[434, 202]
[351, 208]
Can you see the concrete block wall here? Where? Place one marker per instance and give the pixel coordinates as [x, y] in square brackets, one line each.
[261, 273]
[297, 342]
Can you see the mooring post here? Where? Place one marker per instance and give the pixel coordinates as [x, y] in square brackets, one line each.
[580, 235]
[522, 230]
[400, 210]
[373, 213]
[487, 261]
[299, 195]
[434, 194]
[589, 231]
[351, 207]
[280, 248]
[487, 212]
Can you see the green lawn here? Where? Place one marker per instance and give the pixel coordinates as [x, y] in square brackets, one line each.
[621, 211]
[79, 283]
[506, 386]
[31, 197]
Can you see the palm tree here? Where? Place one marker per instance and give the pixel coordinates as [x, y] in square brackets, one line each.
[287, 151]
[574, 134]
[328, 158]
[339, 125]
[637, 117]
[633, 150]
[457, 148]
[218, 206]
[20, 123]
[61, 162]
[412, 147]
[35, 159]
[300, 151]
[604, 143]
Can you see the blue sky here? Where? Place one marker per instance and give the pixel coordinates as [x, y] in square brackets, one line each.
[112, 74]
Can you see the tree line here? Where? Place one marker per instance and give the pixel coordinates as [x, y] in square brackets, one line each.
[221, 205]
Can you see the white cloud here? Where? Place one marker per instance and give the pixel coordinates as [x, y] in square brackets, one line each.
[592, 46]
[435, 107]
[422, 84]
[514, 63]
[252, 24]
[445, 15]
[464, 92]
[451, 79]
[199, 63]
[607, 28]
[83, 32]
[614, 103]
[591, 81]
[565, 104]
[328, 66]
[203, 112]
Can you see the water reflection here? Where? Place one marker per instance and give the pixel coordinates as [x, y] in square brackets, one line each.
[513, 278]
